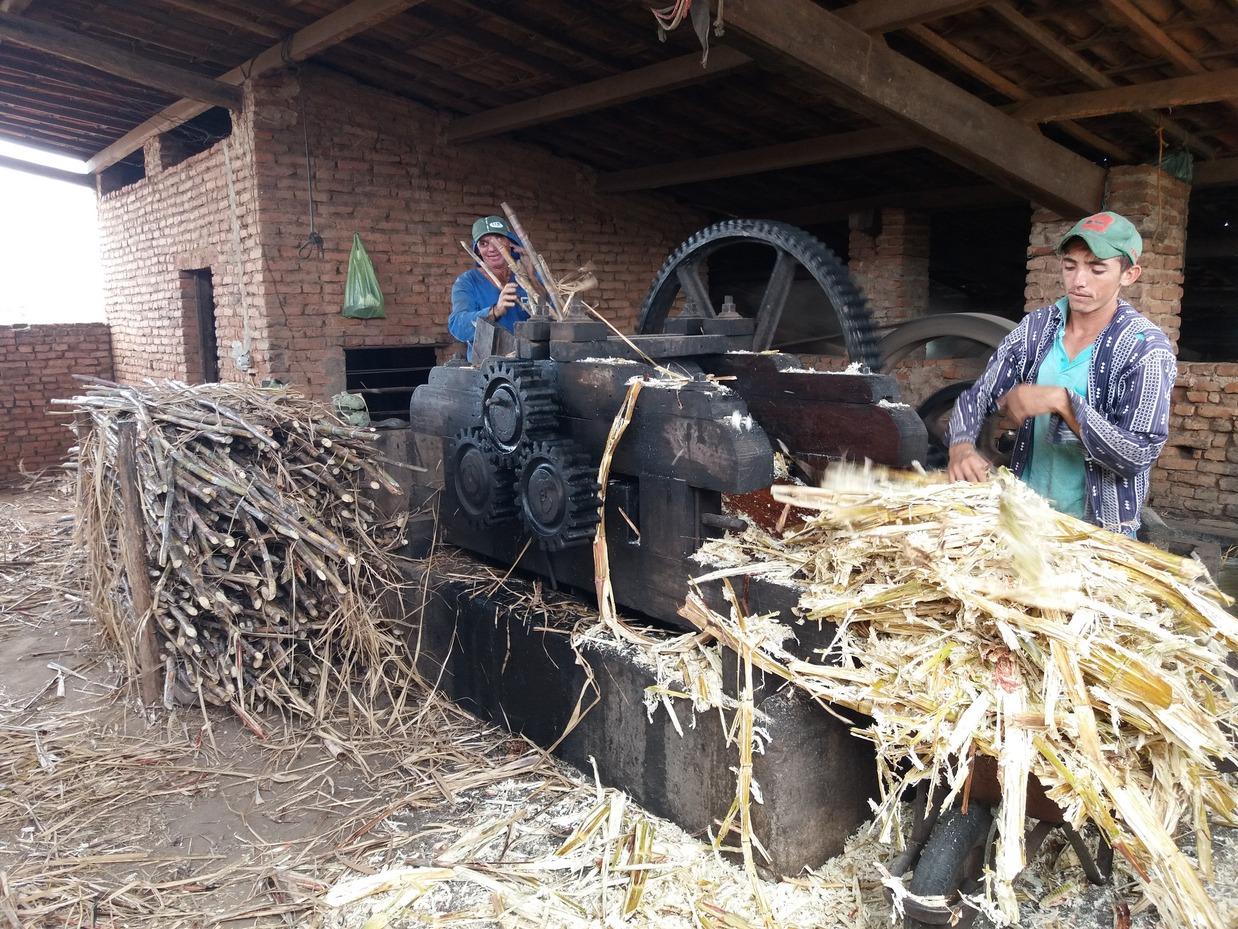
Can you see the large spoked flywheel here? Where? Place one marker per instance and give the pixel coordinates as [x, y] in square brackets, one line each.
[799, 293]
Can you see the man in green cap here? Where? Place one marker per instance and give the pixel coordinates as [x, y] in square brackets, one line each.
[1086, 381]
[475, 296]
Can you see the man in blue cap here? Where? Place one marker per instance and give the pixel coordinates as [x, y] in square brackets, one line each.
[1087, 382]
[474, 295]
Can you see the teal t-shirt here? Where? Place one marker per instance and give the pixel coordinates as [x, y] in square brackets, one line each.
[1056, 472]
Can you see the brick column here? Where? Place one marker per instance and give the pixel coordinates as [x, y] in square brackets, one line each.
[1157, 204]
[889, 256]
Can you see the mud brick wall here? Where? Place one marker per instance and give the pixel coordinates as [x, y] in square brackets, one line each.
[181, 218]
[383, 169]
[1197, 474]
[889, 260]
[37, 364]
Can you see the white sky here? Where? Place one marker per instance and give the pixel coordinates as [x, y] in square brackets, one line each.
[49, 245]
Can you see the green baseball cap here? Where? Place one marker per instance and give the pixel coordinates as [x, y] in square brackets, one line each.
[492, 225]
[1108, 235]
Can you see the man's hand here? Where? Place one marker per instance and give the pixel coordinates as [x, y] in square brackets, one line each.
[1028, 400]
[507, 300]
[967, 464]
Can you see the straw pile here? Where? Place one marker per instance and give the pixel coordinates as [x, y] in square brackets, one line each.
[973, 618]
[269, 561]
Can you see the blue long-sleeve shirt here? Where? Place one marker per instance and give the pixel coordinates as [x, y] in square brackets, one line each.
[1123, 420]
[472, 295]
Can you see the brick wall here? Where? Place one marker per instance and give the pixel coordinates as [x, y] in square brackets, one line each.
[181, 218]
[36, 365]
[382, 169]
[1197, 474]
[889, 260]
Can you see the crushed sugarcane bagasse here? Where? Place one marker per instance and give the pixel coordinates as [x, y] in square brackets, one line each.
[183, 819]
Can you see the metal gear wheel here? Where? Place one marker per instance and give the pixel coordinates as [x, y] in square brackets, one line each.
[558, 493]
[483, 487]
[518, 407]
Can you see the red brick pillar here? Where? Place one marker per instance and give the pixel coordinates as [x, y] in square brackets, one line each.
[1157, 204]
[889, 256]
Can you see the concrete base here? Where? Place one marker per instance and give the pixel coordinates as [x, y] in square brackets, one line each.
[515, 668]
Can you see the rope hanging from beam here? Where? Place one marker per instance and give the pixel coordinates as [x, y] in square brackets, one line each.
[670, 17]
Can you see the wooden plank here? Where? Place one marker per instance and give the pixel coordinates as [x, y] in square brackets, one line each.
[986, 75]
[940, 115]
[888, 15]
[64, 43]
[819, 150]
[56, 174]
[133, 552]
[595, 95]
[1047, 42]
[343, 24]
[1210, 87]
[1221, 172]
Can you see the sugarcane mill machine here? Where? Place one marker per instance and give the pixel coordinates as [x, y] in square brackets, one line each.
[511, 445]
[514, 443]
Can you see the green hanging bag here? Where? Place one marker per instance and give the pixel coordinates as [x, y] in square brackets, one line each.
[362, 297]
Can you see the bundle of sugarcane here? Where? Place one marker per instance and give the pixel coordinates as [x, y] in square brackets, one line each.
[973, 618]
[263, 561]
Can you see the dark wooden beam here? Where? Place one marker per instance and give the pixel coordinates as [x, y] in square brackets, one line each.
[945, 198]
[336, 27]
[936, 113]
[889, 15]
[595, 95]
[1210, 87]
[64, 43]
[820, 150]
[56, 174]
[1003, 85]
[1220, 172]
[1047, 42]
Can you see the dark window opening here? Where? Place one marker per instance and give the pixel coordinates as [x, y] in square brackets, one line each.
[195, 136]
[386, 377]
[198, 318]
[978, 261]
[122, 174]
[1210, 278]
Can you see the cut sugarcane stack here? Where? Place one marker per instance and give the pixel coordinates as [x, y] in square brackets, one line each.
[973, 618]
[268, 558]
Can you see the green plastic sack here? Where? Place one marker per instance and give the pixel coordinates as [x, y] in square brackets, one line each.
[352, 408]
[362, 297]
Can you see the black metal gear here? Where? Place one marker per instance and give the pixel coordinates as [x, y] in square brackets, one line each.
[558, 492]
[484, 489]
[797, 255]
[518, 407]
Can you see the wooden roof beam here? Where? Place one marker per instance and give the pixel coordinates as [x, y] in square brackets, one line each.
[1210, 87]
[820, 150]
[336, 27]
[878, 16]
[1042, 38]
[934, 112]
[986, 75]
[64, 43]
[596, 95]
[56, 174]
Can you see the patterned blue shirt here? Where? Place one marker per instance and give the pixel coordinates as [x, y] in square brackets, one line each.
[1123, 420]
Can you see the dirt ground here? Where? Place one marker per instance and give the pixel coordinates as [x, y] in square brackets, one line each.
[114, 816]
